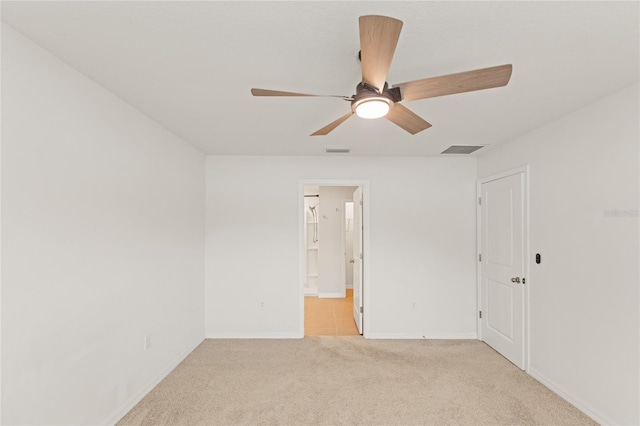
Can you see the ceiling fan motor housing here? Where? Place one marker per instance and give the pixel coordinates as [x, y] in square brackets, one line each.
[366, 93]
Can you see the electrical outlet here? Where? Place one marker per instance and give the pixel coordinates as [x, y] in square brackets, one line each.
[413, 305]
[147, 342]
[261, 305]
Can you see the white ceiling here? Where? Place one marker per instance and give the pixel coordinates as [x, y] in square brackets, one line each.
[190, 66]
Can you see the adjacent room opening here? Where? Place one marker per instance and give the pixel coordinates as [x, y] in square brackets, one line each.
[332, 260]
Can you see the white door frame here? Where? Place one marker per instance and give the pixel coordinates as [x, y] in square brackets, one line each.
[525, 173]
[364, 184]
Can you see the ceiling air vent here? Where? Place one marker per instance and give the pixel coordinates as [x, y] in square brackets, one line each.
[461, 149]
[335, 150]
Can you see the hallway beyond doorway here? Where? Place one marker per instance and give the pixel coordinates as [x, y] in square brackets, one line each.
[329, 317]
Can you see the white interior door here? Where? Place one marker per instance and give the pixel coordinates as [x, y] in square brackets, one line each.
[357, 258]
[502, 266]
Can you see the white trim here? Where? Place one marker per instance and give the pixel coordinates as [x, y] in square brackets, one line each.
[461, 336]
[514, 171]
[253, 335]
[364, 184]
[527, 271]
[573, 400]
[526, 264]
[311, 291]
[128, 406]
[478, 263]
[0, 275]
[332, 295]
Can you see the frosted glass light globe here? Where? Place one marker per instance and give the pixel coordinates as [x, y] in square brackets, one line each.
[372, 109]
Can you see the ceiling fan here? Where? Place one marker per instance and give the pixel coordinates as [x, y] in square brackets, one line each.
[374, 98]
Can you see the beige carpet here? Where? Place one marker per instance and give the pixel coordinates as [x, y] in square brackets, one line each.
[350, 381]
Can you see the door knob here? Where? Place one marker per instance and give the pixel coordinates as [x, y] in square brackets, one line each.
[352, 261]
[515, 280]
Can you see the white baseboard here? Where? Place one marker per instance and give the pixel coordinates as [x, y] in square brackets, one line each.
[463, 336]
[138, 397]
[332, 295]
[235, 335]
[311, 291]
[572, 399]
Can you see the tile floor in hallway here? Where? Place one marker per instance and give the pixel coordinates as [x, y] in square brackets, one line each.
[329, 317]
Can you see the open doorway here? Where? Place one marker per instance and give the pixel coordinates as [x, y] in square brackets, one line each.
[328, 258]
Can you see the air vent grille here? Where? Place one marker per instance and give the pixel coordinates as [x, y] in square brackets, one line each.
[336, 150]
[461, 149]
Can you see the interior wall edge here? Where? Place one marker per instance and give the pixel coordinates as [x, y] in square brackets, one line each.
[575, 179]
[331, 295]
[571, 398]
[120, 413]
[267, 335]
[413, 336]
[93, 248]
[109, 90]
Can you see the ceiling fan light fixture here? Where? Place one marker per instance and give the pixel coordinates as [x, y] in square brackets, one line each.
[374, 98]
[373, 108]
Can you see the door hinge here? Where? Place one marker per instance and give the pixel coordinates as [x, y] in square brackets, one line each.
[480, 201]
[360, 256]
[479, 314]
[360, 202]
[480, 257]
[360, 309]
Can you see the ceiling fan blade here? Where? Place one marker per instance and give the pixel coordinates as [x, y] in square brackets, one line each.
[406, 119]
[378, 39]
[266, 92]
[450, 84]
[329, 127]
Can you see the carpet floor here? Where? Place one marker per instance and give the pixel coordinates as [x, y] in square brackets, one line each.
[350, 381]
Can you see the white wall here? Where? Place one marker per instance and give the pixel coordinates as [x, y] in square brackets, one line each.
[1, 313]
[312, 233]
[102, 243]
[331, 255]
[422, 241]
[584, 295]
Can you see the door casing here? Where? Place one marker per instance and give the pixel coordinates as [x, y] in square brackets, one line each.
[357, 255]
[364, 184]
